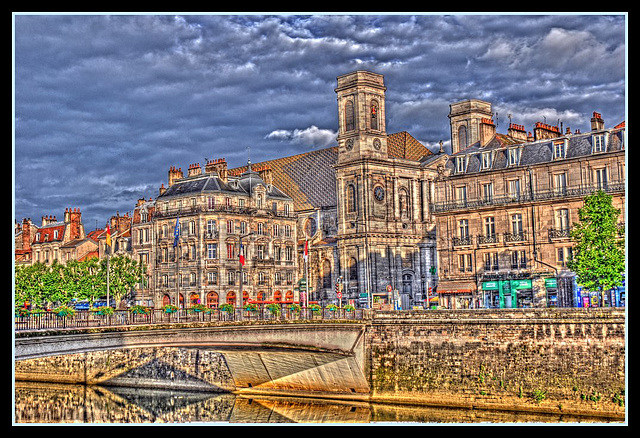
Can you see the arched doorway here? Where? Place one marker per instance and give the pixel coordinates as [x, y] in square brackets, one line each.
[231, 298]
[407, 282]
[289, 296]
[277, 296]
[245, 297]
[212, 300]
[166, 300]
[194, 299]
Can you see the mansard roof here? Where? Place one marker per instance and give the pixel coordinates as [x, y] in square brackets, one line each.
[212, 183]
[535, 152]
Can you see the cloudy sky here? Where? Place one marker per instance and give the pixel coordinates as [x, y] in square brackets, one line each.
[104, 105]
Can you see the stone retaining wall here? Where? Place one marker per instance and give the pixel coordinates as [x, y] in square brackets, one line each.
[546, 360]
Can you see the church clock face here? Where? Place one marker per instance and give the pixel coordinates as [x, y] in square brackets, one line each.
[349, 144]
[377, 144]
[378, 193]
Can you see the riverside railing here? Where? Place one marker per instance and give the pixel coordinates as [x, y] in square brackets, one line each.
[90, 319]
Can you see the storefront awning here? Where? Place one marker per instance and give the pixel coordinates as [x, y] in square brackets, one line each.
[459, 287]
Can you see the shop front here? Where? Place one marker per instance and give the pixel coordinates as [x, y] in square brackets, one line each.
[456, 295]
[507, 294]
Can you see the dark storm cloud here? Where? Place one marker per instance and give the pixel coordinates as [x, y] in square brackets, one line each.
[105, 104]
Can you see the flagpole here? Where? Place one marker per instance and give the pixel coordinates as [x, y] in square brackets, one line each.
[108, 250]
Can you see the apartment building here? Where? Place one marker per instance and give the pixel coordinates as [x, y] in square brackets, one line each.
[221, 238]
[505, 205]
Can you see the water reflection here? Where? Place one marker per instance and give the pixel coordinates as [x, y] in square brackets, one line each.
[63, 403]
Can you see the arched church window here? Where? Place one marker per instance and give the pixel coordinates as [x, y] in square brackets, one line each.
[351, 198]
[462, 137]
[326, 274]
[353, 269]
[374, 115]
[404, 203]
[349, 116]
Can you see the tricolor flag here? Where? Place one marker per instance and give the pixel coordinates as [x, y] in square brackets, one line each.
[306, 250]
[176, 232]
[241, 255]
[108, 236]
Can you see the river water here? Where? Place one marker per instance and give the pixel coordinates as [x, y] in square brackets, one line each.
[64, 403]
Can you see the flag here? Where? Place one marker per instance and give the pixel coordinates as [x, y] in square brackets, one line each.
[176, 232]
[306, 250]
[108, 236]
[241, 255]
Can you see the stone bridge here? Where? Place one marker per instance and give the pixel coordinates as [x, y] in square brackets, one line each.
[322, 358]
[560, 361]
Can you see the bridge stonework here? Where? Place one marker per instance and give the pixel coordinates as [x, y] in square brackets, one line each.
[567, 361]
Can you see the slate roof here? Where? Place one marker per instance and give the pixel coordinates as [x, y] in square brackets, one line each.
[210, 182]
[309, 178]
[537, 152]
[46, 233]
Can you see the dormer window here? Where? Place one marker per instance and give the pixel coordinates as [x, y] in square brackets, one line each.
[486, 160]
[559, 149]
[598, 143]
[514, 156]
[55, 234]
[460, 164]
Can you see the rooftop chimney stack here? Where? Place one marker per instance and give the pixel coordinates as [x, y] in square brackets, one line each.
[487, 130]
[218, 166]
[542, 131]
[194, 170]
[597, 124]
[517, 132]
[175, 174]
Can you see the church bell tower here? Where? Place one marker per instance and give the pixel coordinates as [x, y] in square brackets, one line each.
[361, 114]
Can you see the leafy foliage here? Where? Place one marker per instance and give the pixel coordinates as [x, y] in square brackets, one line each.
[598, 257]
[41, 285]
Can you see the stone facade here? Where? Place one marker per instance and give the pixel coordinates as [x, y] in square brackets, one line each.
[220, 217]
[504, 206]
[385, 238]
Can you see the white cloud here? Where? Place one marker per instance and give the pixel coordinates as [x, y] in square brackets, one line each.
[311, 136]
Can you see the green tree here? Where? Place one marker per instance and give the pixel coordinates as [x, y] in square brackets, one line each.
[598, 256]
[124, 274]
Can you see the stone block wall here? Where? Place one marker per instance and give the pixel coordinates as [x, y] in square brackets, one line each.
[569, 361]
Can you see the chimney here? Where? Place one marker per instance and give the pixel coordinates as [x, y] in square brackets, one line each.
[194, 170]
[46, 220]
[517, 132]
[487, 131]
[175, 174]
[26, 233]
[597, 124]
[162, 189]
[542, 131]
[219, 166]
[73, 218]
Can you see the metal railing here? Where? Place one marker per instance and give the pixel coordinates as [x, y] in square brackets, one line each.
[90, 319]
[527, 196]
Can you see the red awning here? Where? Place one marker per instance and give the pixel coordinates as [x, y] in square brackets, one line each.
[456, 287]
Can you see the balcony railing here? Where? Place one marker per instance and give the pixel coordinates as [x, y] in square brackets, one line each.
[527, 196]
[515, 237]
[492, 238]
[559, 234]
[196, 209]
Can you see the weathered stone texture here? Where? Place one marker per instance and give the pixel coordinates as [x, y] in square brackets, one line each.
[549, 360]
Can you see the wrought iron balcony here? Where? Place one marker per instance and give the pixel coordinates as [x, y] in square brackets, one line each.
[559, 234]
[492, 238]
[461, 241]
[526, 196]
[515, 237]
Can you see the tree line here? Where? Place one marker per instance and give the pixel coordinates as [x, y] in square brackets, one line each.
[41, 286]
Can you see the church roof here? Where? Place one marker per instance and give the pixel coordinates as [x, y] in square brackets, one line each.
[309, 178]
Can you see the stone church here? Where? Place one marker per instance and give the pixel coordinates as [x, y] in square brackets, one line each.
[363, 205]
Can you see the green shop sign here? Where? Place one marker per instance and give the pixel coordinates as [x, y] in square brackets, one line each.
[490, 285]
[550, 283]
[520, 284]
